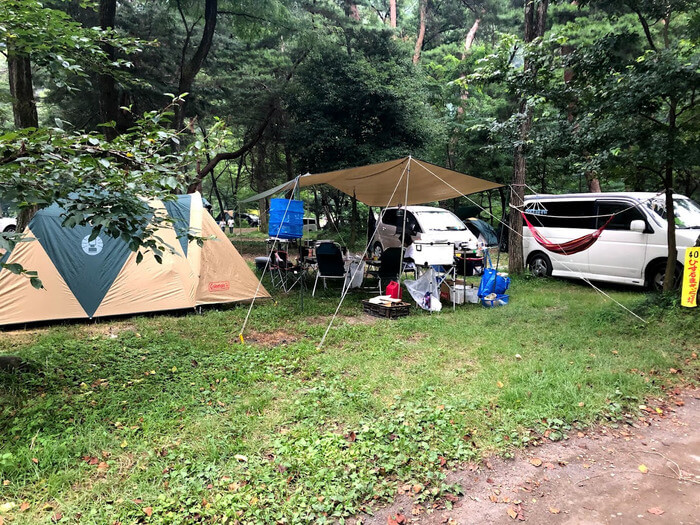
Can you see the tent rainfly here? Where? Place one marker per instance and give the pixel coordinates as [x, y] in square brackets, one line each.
[404, 181]
[87, 279]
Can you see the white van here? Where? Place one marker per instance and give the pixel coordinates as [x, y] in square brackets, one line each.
[423, 223]
[631, 250]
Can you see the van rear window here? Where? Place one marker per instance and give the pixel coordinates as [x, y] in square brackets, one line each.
[561, 214]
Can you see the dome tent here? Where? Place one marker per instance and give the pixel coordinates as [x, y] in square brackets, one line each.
[87, 279]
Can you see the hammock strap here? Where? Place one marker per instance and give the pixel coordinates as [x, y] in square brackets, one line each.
[569, 247]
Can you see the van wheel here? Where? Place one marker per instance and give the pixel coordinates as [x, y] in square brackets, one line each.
[657, 273]
[377, 249]
[540, 265]
[10, 229]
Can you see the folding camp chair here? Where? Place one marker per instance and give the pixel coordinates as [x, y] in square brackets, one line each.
[389, 267]
[282, 270]
[330, 263]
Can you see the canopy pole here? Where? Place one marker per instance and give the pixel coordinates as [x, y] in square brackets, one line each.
[345, 291]
[267, 264]
[405, 212]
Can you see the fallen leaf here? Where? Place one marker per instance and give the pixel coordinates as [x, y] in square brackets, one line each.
[512, 513]
[536, 462]
[35, 461]
[57, 517]
[643, 469]
[124, 444]
[397, 519]
[351, 436]
[148, 511]
[241, 458]
[554, 510]
[581, 404]
[499, 384]
[6, 483]
[417, 488]
[655, 510]
[24, 506]
[102, 466]
[673, 370]
[493, 498]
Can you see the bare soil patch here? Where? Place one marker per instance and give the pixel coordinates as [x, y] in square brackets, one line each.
[269, 339]
[645, 471]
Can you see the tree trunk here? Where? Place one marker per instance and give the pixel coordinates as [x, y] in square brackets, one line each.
[23, 110]
[535, 21]
[670, 214]
[108, 94]
[421, 30]
[352, 11]
[22, 90]
[392, 13]
[190, 68]
[593, 183]
[517, 194]
[469, 40]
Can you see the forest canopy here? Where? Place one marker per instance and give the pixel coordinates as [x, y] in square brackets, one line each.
[233, 98]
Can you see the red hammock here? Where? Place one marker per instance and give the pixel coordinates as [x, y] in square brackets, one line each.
[569, 247]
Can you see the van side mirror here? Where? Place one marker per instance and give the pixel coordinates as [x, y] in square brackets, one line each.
[638, 226]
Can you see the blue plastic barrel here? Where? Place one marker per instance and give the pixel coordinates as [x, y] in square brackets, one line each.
[286, 219]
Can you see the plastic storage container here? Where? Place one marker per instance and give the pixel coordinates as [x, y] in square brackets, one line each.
[499, 300]
[471, 295]
[433, 253]
[286, 219]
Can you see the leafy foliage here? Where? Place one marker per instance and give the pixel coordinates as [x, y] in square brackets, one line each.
[99, 183]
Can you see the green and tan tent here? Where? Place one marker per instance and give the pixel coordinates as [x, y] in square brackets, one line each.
[87, 279]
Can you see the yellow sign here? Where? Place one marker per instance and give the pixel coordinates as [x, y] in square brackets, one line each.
[691, 277]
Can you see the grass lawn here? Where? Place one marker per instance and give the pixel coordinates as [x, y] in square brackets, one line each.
[169, 419]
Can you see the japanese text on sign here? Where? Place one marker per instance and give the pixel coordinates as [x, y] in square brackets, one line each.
[691, 276]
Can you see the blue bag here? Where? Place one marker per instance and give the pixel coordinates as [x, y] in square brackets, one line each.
[502, 284]
[491, 282]
[488, 282]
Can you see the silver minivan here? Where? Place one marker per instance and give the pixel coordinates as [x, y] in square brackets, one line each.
[424, 223]
[632, 249]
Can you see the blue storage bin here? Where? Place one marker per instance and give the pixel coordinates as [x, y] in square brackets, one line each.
[500, 300]
[286, 219]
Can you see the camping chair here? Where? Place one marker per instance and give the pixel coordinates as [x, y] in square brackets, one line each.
[329, 262]
[389, 267]
[281, 268]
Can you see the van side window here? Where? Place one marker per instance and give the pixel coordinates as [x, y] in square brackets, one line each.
[562, 214]
[621, 221]
[389, 217]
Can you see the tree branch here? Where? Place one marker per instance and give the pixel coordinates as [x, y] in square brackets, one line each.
[645, 25]
[257, 135]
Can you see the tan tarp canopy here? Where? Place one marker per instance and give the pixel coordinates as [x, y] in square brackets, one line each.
[385, 184]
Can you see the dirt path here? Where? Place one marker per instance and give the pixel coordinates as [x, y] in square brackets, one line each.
[587, 479]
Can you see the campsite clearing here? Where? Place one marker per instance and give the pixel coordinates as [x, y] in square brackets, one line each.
[152, 417]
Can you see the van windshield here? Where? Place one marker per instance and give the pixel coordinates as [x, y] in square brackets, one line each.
[439, 221]
[687, 212]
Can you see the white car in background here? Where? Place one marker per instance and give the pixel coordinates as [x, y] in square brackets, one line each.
[8, 224]
[423, 223]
